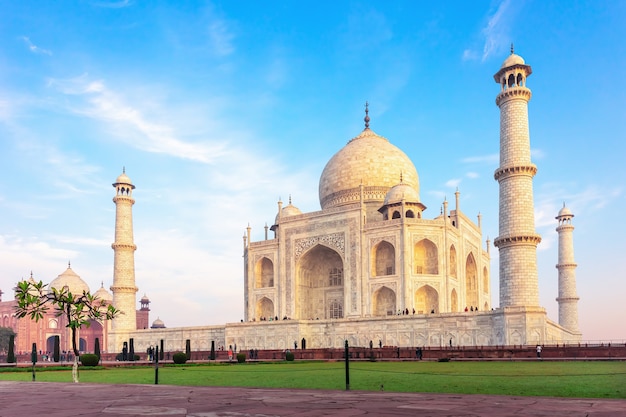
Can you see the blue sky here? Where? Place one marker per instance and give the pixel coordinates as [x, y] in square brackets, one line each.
[218, 109]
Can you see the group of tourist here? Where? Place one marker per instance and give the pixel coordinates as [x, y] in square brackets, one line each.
[275, 318]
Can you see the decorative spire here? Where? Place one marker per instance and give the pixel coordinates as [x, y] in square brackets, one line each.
[367, 117]
[512, 49]
[69, 265]
[289, 199]
[401, 178]
[123, 170]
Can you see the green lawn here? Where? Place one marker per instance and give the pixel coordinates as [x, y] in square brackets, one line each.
[559, 379]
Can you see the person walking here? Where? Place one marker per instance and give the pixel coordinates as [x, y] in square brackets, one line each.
[539, 349]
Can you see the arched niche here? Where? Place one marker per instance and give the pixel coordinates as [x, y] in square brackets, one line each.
[471, 281]
[264, 309]
[452, 261]
[384, 259]
[264, 273]
[426, 300]
[425, 257]
[384, 302]
[454, 301]
[485, 280]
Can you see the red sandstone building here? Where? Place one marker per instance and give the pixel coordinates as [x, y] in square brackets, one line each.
[42, 332]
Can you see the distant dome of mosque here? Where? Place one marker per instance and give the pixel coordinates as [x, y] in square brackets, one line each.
[402, 191]
[158, 324]
[103, 294]
[369, 160]
[70, 279]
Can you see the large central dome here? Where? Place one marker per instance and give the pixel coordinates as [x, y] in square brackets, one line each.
[368, 159]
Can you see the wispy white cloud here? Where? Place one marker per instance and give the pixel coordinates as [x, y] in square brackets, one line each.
[495, 30]
[130, 124]
[472, 175]
[221, 37]
[494, 36]
[34, 48]
[453, 183]
[469, 55]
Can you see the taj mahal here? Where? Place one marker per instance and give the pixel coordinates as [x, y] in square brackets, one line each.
[371, 264]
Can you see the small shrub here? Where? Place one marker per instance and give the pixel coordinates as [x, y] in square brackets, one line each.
[89, 359]
[179, 357]
[372, 356]
[444, 359]
[289, 356]
[241, 357]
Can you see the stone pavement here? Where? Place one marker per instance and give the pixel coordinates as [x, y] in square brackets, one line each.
[49, 399]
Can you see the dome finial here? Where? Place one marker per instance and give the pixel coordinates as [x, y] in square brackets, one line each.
[401, 177]
[367, 117]
[289, 199]
[512, 49]
[69, 265]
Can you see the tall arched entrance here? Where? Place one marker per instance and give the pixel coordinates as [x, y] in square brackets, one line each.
[319, 284]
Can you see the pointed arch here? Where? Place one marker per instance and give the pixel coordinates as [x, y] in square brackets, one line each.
[264, 308]
[452, 261]
[384, 302]
[384, 259]
[319, 280]
[396, 215]
[485, 280]
[425, 257]
[471, 281]
[264, 273]
[454, 301]
[410, 214]
[426, 300]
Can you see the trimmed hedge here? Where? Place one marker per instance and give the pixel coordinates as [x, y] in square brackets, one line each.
[241, 357]
[289, 356]
[179, 358]
[89, 359]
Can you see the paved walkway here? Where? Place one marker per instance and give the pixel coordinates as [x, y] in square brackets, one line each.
[48, 399]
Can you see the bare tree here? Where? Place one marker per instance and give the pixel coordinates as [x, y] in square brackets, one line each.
[34, 300]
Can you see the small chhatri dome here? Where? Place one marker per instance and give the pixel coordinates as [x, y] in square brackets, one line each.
[70, 279]
[158, 324]
[103, 294]
[145, 299]
[402, 191]
[565, 212]
[513, 60]
[288, 210]
[369, 160]
[123, 179]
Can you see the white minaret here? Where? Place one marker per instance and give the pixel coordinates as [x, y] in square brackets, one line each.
[567, 299]
[123, 287]
[517, 240]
